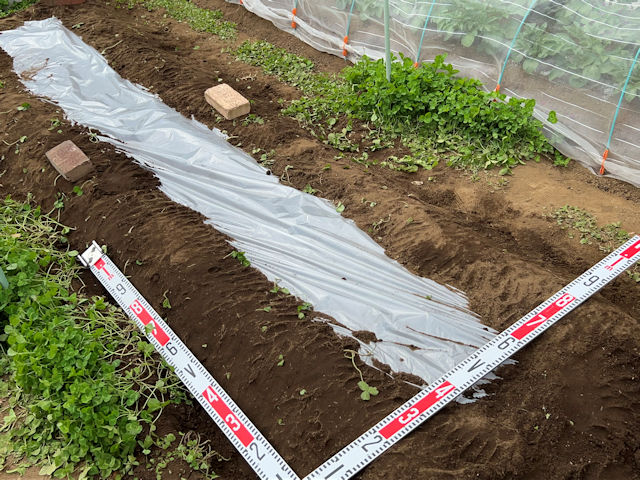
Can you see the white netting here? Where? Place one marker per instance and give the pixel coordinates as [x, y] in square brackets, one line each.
[575, 57]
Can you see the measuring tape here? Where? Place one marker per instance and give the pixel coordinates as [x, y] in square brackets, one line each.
[366, 448]
[252, 445]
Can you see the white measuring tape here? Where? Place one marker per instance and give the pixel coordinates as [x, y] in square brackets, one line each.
[251, 444]
[262, 457]
[403, 420]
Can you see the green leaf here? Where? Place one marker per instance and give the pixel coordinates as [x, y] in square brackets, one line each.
[552, 118]
[48, 469]
[530, 65]
[468, 39]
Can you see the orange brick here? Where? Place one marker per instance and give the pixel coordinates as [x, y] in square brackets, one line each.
[229, 103]
[70, 161]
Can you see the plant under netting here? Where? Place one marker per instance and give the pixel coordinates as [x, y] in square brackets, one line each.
[576, 58]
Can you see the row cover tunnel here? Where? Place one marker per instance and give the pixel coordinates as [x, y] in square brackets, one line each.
[575, 57]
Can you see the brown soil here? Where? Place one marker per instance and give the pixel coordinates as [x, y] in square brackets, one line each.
[492, 241]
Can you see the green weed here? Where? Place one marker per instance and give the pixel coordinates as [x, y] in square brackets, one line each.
[309, 189]
[253, 118]
[240, 257]
[433, 112]
[577, 220]
[6, 9]
[191, 449]
[78, 390]
[584, 224]
[278, 289]
[367, 391]
[305, 307]
[200, 19]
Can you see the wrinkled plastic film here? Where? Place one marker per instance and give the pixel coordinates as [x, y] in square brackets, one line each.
[292, 237]
[571, 56]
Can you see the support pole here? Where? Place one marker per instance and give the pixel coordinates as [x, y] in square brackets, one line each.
[513, 43]
[615, 115]
[387, 40]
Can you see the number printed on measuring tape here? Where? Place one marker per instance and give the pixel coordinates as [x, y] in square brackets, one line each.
[256, 450]
[366, 448]
[262, 457]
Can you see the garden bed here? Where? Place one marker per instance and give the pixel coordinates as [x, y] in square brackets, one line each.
[568, 409]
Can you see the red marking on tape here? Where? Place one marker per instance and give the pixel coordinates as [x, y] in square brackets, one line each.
[543, 316]
[631, 251]
[422, 405]
[225, 413]
[158, 333]
[100, 266]
[628, 254]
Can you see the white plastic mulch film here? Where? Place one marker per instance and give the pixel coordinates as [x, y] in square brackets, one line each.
[290, 236]
[575, 57]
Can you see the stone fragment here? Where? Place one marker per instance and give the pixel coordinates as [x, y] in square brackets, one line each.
[228, 102]
[70, 161]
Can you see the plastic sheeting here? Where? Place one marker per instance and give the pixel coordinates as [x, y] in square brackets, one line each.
[575, 57]
[294, 238]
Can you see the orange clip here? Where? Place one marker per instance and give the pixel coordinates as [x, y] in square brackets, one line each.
[240, 2]
[498, 88]
[344, 45]
[293, 20]
[415, 65]
[604, 159]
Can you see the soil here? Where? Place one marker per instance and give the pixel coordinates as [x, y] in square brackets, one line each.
[569, 409]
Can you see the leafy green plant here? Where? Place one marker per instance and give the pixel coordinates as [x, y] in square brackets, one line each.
[240, 256]
[266, 159]
[6, 9]
[305, 307]
[55, 124]
[59, 202]
[252, 118]
[71, 400]
[23, 107]
[578, 220]
[434, 113]
[199, 19]
[367, 391]
[278, 289]
[191, 449]
[309, 189]
[165, 300]
[280, 360]
[608, 237]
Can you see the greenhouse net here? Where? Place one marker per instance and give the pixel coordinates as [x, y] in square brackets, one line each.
[575, 57]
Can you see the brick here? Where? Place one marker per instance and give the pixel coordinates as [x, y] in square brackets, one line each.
[70, 161]
[229, 103]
